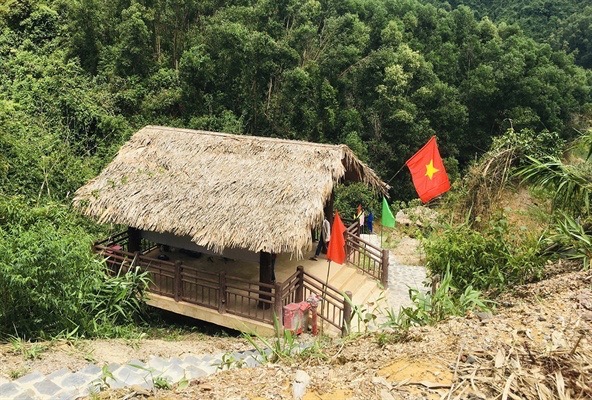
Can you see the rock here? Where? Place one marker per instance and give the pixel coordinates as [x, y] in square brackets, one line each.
[471, 359]
[402, 218]
[140, 390]
[419, 216]
[484, 316]
[206, 387]
[301, 381]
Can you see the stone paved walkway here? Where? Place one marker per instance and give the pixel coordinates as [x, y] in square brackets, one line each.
[402, 276]
[67, 385]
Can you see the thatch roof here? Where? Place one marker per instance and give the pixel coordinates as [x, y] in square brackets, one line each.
[224, 191]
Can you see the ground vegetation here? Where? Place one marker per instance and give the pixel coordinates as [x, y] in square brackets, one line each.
[77, 77]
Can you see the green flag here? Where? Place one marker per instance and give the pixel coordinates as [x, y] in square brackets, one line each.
[387, 215]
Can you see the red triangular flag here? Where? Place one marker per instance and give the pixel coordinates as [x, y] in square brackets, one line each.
[336, 250]
[427, 172]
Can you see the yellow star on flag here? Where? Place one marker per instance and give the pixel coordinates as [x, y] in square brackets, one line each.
[430, 170]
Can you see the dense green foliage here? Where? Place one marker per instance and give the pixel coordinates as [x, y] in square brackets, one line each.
[77, 77]
[379, 75]
[348, 197]
[490, 258]
[50, 283]
[564, 24]
[567, 182]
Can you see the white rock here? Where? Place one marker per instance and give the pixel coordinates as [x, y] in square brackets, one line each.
[301, 381]
[380, 380]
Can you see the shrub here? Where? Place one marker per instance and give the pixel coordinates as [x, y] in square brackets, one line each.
[491, 259]
[444, 302]
[50, 282]
[571, 238]
[348, 197]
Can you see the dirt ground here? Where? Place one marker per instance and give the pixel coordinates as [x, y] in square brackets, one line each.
[536, 344]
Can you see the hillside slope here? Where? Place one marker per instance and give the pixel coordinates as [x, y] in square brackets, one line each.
[535, 345]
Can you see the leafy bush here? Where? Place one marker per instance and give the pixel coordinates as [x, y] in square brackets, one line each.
[444, 302]
[572, 239]
[347, 198]
[50, 282]
[491, 259]
[430, 308]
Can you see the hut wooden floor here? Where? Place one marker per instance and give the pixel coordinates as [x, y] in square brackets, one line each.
[366, 292]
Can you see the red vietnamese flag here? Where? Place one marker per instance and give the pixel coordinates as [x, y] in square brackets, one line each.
[427, 172]
[336, 250]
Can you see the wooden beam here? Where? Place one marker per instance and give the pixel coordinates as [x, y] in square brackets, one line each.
[328, 210]
[134, 240]
[265, 274]
[211, 315]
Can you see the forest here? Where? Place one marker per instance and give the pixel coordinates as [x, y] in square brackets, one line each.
[78, 77]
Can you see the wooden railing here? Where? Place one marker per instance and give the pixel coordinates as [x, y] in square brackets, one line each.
[227, 294]
[367, 257]
[335, 306]
[122, 240]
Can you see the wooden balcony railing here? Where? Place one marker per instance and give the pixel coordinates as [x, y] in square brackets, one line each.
[227, 294]
[367, 257]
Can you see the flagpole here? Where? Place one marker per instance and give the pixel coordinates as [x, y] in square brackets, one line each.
[326, 281]
[396, 173]
[325, 293]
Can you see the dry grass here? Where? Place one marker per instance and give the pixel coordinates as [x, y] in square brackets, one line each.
[222, 190]
[485, 182]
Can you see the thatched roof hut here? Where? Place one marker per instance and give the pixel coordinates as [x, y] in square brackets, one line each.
[222, 190]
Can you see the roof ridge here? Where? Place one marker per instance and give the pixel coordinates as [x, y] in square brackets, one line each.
[239, 136]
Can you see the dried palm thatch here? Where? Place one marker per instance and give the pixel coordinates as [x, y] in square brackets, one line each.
[222, 190]
[486, 180]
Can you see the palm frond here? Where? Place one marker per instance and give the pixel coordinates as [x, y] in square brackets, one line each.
[571, 185]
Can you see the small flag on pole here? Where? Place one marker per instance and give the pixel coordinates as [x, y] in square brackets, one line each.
[336, 250]
[427, 172]
[387, 215]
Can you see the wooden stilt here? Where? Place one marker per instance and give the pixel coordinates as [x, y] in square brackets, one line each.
[265, 277]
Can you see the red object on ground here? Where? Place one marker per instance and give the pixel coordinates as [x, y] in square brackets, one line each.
[296, 317]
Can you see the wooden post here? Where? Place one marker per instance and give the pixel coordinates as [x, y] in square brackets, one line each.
[328, 210]
[134, 241]
[178, 283]
[300, 285]
[385, 268]
[222, 295]
[278, 306]
[347, 313]
[265, 277]
[134, 261]
[348, 246]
